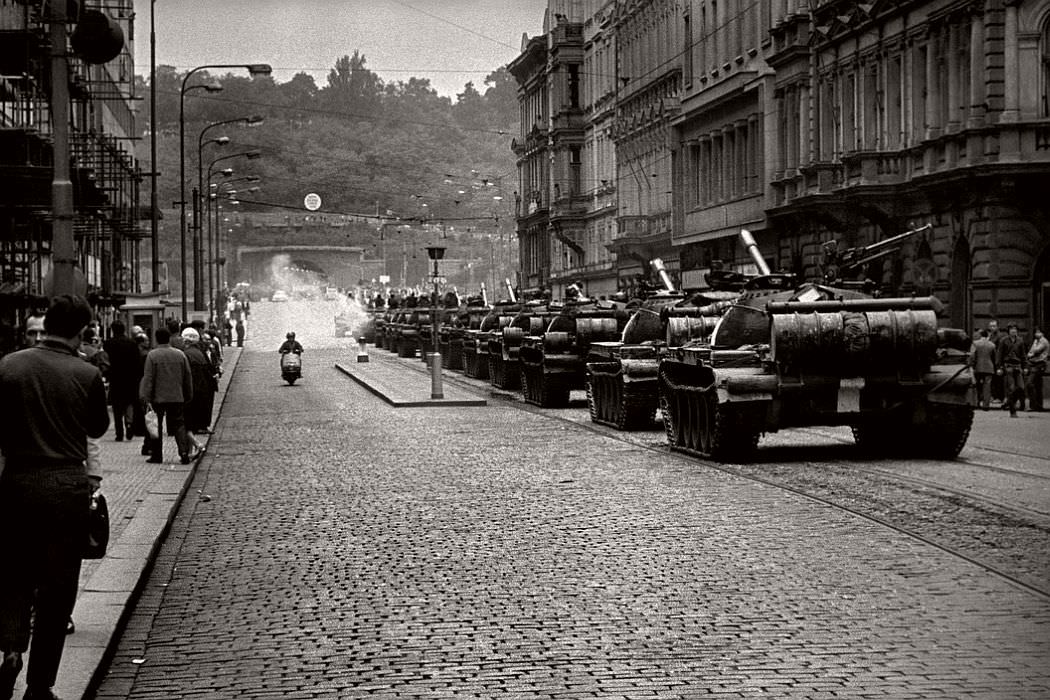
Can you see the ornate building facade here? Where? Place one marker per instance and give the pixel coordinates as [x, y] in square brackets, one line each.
[840, 120]
[101, 130]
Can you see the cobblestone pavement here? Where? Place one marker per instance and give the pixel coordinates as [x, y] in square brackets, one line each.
[333, 546]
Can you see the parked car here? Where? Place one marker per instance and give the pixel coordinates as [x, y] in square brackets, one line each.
[280, 295]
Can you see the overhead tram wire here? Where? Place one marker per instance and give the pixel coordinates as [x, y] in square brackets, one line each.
[369, 215]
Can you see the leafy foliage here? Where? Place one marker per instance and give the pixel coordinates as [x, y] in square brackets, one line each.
[361, 143]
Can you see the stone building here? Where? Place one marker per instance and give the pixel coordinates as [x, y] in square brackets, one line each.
[101, 128]
[532, 200]
[808, 122]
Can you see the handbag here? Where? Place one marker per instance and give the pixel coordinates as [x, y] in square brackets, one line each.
[98, 528]
[152, 425]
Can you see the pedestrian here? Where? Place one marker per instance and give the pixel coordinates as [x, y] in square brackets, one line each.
[53, 403]
[34, 330]
[138, 423]
[212, 346]
[91, 349]
[125, 372]
[1037, 358]
[201, 371]
[995, 335]
[982, 359]
[1010, 360]
[167, 386]
[175, 327]
[237, 314]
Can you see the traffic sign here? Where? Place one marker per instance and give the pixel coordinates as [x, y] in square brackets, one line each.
[312, 201]
[435, 279]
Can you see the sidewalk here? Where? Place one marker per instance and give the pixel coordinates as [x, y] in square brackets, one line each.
[142, 499]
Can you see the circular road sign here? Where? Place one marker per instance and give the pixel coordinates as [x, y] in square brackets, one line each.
[312, 201]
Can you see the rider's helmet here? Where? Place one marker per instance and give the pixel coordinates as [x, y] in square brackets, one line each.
[290, 336]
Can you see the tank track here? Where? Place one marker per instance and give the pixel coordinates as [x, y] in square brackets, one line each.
[618, 404]
[500, 377]
[695, 423]
[542, 389]
[941, 436]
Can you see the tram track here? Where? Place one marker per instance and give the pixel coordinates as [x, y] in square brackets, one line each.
[1005, 540]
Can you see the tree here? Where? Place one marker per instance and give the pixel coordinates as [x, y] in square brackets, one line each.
[352, 87]
[469, 109]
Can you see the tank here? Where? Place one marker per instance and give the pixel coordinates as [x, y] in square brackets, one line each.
[504, 346]
[621, 374]
[553, 361]
[453, 333]
[475, 342]
[407, 330]
[821, 354]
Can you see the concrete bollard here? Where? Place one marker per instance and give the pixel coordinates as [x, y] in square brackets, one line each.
[362, 352]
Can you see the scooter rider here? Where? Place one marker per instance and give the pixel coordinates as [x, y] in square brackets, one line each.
[291, 345]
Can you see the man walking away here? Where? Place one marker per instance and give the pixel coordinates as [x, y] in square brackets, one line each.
[53, 403]
[167, 386]
[125, 371]
[1010, 358]
[982, 359]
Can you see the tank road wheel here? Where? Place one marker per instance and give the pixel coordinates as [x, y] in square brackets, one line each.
[946, 430]
[696, 423]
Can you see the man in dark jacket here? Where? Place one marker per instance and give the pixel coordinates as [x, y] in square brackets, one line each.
[1010, 359]
[125, 372]
[53, 402]
[167, 386]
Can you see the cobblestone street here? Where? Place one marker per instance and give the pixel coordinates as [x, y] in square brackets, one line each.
[332, 546]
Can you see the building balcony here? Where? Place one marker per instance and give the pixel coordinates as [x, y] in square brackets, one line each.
[642, 229]
[1014, 147]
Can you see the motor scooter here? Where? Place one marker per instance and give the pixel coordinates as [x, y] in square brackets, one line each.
[291, 367]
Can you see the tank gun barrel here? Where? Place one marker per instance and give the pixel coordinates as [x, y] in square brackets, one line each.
[752, 248]
[661, 271]
[860, 255]
[510, 289]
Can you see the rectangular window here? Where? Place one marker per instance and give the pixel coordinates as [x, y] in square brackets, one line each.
[849, 113]
[687, 38]
[574, 86]
[575, 164]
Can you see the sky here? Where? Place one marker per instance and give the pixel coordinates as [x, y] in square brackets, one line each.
[449, 41]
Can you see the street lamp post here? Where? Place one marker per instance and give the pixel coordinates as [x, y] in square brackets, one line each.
[214, 228]
[435, 253]
[253, 69]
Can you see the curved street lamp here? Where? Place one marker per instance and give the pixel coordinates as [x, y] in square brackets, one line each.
[198, 208]
[253, 69]
[208, 196]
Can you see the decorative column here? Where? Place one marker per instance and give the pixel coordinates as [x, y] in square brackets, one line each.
[933, 87]
[955, 103]
[978, 108]
[1011, 87]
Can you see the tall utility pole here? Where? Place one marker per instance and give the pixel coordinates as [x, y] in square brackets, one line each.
[62, 244]
[154, 233]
